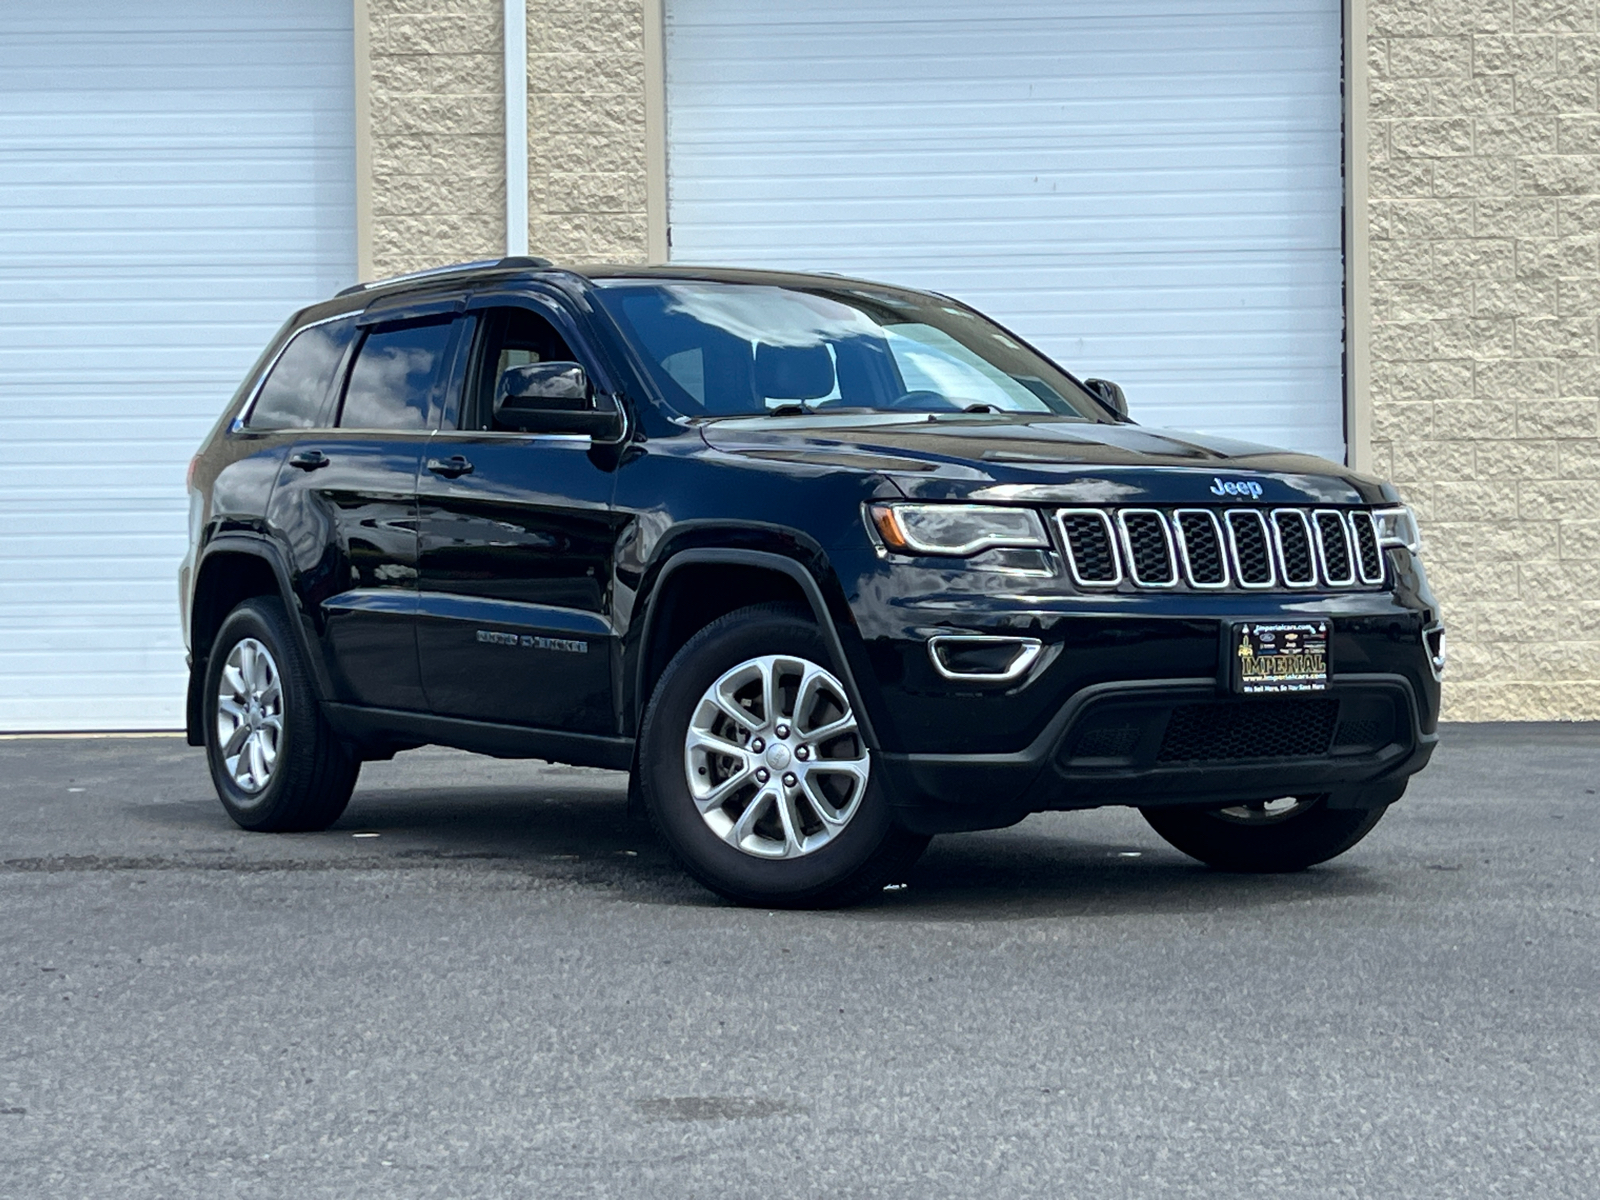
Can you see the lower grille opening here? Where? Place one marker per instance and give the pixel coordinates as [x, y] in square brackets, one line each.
[1255, 729]
[1114, 741]
[1366, 723]
[1360, 732]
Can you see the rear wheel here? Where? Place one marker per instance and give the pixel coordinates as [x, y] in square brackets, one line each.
[1288, 834]
[753, 768]
[276, 764]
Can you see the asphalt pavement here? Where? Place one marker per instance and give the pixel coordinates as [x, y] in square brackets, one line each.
[486, 982]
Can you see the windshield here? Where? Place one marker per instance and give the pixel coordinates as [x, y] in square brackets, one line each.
[736, 349]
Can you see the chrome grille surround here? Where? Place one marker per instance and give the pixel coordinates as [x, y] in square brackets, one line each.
[1331, 521]
[1251, 519]
[1183, 516]
[1292, 518]
[1369, 555]
[1146, 518]
[1065, 518]
[1212, 549]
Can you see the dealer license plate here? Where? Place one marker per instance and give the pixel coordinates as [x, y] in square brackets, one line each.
[1282, 656]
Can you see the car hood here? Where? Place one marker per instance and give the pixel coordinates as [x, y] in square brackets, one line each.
[1045, 459]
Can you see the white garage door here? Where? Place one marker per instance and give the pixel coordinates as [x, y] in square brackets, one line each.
[176, 176]
[1149, 190]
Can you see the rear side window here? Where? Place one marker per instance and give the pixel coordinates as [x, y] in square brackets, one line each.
[393, 377]
[296, 391]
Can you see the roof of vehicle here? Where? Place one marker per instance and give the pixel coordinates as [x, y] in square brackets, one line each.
[469, 272]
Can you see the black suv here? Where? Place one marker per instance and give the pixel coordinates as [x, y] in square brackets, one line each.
[828, 566]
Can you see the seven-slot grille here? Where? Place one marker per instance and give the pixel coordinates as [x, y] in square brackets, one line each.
[1205, 548]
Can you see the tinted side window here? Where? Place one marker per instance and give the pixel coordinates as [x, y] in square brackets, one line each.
[393, 377]
[295, 394]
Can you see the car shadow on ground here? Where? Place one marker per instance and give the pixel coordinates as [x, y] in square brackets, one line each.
[1020, 873]
[581, 831]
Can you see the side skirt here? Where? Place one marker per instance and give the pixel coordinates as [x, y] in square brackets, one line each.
[379, 731]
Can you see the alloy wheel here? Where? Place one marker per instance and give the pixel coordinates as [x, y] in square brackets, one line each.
[250, 714]
[774, 757]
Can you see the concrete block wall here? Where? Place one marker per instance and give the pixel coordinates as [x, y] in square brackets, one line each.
[586, 130]
[1485, 250]
[437, 101]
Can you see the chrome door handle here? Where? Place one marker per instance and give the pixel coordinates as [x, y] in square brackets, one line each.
[450, 467]
[309, 460]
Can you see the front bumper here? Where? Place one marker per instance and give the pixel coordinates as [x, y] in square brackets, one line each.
[1177, 741]
[1129, 699]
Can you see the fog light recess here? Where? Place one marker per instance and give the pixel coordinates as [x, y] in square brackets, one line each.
[1433, 642]
[976, 658]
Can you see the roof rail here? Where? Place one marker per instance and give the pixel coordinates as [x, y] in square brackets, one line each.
[512, 262]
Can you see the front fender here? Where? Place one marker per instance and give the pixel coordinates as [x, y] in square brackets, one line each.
[785, 552]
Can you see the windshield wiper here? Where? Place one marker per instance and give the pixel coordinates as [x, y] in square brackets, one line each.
[799, 408]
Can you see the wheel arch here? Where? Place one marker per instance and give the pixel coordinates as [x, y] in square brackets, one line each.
[677, 609]
[234, 569]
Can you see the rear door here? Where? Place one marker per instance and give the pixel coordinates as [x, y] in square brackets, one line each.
[345, 507]
[516, 530]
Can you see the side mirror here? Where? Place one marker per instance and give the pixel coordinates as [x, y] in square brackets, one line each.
[553, 397]
[1108, 394]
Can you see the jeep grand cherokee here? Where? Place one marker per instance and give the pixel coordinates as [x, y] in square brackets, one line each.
[828, 566]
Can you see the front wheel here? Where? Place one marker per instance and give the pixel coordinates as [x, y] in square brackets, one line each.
[754, 770]
[1289, 834]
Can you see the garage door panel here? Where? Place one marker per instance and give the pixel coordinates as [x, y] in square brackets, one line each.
[60, 433]
[143, 607]
[176, 177]
[1149, 190]
[1096, 195]
[86, 401]
[118, 482]
[999, 238]
[78, 329]
[145, 530]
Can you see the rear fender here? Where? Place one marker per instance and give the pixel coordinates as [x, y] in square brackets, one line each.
[205, 619]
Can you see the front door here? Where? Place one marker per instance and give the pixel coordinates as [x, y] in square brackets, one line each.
[345, 507]
[516, 537]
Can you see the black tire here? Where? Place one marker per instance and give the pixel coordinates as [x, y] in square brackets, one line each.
[1303, 838]
[314, 773]
[870, 850]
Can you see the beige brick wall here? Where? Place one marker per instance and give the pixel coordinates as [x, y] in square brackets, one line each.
[1485, 245]
[437, 134]
[438, 131]
[586, 131]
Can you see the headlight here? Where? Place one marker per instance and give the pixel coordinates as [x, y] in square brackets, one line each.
[959, 530]
[1397, 527]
